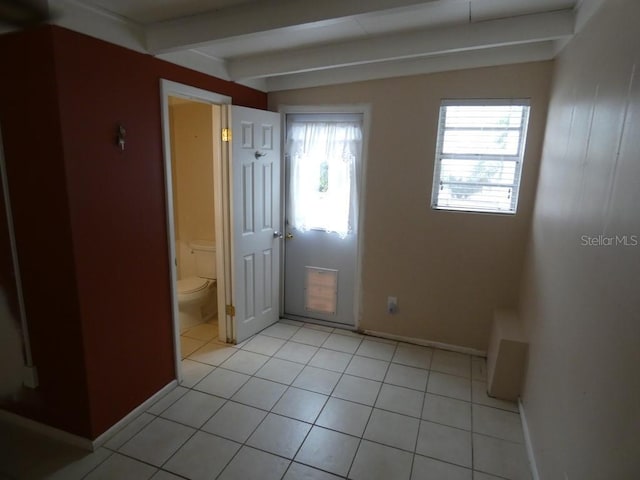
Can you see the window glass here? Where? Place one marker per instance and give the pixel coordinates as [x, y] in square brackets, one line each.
[479, 155]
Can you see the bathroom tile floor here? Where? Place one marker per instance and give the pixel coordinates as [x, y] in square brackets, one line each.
[298, 401]
[195, 337]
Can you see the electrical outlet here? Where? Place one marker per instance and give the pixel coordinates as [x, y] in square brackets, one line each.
[392, 305]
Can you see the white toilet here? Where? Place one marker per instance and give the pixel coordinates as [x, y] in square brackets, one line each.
[197, 294]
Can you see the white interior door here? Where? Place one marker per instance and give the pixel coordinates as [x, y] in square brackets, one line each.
[323, 166]
[255, 218]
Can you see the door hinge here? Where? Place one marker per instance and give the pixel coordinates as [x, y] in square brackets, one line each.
[230, 310]
[226, 134]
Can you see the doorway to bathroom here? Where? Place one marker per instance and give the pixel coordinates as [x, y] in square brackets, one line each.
[230, 248]
[191, 127]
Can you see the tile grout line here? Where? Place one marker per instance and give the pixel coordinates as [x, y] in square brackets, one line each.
[244, 443]
[290, 385]
[270, 411]
[420, 421]
[344, 372]
[185, 388]
[371, 412]
[100, 463]
[473, 460]
[196, 429]
[139, 460]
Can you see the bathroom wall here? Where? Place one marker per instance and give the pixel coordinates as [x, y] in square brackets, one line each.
[192, 127]
[580, 302]
[449, 270]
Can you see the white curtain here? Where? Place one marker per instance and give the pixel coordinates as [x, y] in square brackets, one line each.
[322, 187]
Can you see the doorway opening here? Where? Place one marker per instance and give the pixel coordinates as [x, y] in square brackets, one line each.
[324, 168]
[242, 252]
[192, 124]
[195, 192]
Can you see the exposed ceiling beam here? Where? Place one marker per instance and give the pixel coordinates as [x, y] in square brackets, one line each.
[532, 52]
[200, 62]
[493, 33]
[96, 22]
[585, 10]
[255, 17]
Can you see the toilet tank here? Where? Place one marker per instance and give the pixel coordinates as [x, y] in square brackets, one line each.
[205, 258]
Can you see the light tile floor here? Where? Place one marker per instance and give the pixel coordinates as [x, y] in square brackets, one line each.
[299, 401]
[196, 337]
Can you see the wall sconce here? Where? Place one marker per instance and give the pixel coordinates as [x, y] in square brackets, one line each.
[120, 137]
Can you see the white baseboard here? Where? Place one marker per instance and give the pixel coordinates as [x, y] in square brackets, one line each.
[45, 430]
[76, 440]
[323, 323]
[427, 343]
[527, 442]
[144, 406]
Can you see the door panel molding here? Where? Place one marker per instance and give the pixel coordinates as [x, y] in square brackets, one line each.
[255, 218]
[249, 287]
[248, 181]
[267, 278]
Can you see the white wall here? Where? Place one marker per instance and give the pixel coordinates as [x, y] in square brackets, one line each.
[449, 270]
[581, 304]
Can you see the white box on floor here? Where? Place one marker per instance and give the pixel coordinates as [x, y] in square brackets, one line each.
[506, 356]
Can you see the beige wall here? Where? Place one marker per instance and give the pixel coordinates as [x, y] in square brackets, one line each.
[581, 304]
[192, 126]
[449, 270]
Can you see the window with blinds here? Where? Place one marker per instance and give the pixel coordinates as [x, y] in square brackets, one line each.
[479, 155]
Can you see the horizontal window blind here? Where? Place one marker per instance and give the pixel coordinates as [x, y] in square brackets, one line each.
[479, 155]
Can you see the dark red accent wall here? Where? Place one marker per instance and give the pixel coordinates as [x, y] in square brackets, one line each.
[7, 274]
[109, 223]
[37, 183]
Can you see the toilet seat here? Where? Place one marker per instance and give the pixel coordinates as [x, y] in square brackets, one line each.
[192, 285]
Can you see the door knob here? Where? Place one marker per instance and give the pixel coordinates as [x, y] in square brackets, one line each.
[289, 236]
[277, 234]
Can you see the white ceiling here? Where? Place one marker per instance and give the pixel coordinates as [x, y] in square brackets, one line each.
[281, 44]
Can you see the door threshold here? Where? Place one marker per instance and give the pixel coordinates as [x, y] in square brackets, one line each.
[323, 323]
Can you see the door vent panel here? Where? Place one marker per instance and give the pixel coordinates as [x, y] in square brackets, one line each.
[321, 290]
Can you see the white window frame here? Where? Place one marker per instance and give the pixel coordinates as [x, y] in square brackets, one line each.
[518, 158]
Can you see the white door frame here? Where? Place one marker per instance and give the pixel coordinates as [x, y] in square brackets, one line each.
[365, 110]
[221, 206]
